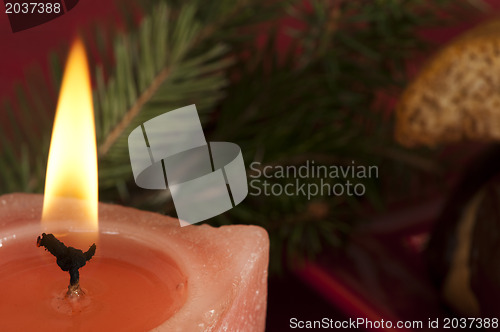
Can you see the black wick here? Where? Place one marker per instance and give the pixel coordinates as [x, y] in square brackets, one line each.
[68, 258]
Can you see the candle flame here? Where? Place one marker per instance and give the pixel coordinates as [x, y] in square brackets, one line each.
[71, 180]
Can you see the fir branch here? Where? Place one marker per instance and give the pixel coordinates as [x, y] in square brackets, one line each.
[183, 64]
[132, 112]
[184, 41]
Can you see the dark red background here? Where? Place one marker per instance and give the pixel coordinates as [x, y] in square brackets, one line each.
[30, 47]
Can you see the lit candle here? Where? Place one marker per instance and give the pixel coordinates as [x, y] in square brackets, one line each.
[147, 272]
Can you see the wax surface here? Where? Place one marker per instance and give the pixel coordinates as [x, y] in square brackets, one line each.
[148, 274]
[32, 290]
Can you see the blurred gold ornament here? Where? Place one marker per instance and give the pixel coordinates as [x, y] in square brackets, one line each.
[456, 96]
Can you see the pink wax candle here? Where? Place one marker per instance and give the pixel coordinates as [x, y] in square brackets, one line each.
[148, 273]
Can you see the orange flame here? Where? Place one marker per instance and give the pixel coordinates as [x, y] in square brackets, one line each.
[71, 180]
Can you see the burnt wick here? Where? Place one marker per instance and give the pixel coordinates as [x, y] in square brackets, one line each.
[68, 258]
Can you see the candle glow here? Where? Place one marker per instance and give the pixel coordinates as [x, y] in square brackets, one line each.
[72, 163]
